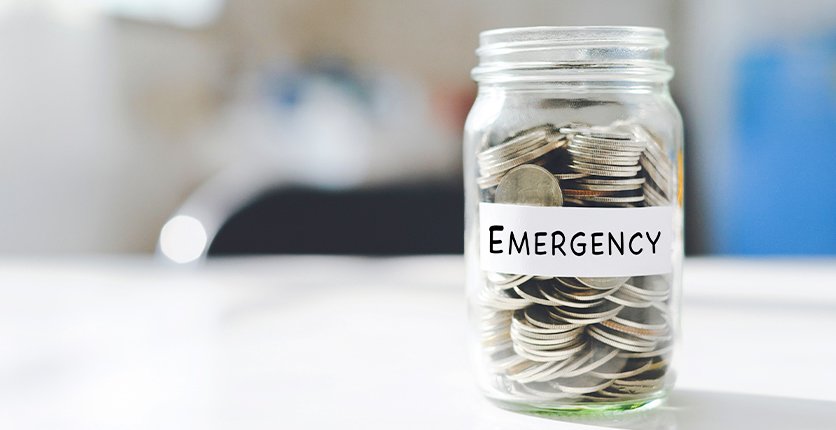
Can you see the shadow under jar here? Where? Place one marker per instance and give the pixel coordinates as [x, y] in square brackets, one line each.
[573, 215]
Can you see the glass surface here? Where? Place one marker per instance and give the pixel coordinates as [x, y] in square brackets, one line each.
[591, 106]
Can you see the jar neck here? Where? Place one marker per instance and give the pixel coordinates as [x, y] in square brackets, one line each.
[574, 58]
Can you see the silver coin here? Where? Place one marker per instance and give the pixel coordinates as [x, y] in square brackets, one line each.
[568, 176]
[573, 202]
[653, 196]
[609, 188]
[559, 299]
[586, 295]
[649, 379]
[597, 132]
[624, 338]
[647, 294]
[514, 143]
[604, 146]
[552, 354]
[615, 181]
[616, 344]
[539, 391]
[660, 179]
[538, 316]
[583, 384]
[655, 353]
[600, 171]
[543, 346]
[607, 199]
[620, 367]
[604, 143]
[579, 149]
[593, 364]
[632, 295]
[533, 371]
[549, 297]
[649, 319]
[603, 283]
[558, 368]
[523, 333]
[628, 300]
[608, 170]
[529, 185]
[544, 148]
[586, 319]
[607, 161]
[632, 330]
[572, 364]
[605, 308]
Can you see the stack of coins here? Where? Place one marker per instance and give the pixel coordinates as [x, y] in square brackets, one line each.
[591, 339]
[524, 147]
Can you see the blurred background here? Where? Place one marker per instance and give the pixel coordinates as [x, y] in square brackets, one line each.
[187, 127]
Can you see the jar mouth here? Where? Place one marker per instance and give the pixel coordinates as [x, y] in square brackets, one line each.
[591, 53]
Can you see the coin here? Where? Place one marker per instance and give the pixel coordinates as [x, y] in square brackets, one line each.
[608, 199]
[542, 147]
[593, 364]
[517, 142]
[631, 330]
[583, 384]
[529, 185]
[607, 187]
[603, 283]
[619, 181]
[567, 176]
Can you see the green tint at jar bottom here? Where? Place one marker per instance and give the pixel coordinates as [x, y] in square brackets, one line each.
[581, 410]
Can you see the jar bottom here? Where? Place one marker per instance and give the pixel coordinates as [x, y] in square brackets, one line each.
[568, 409]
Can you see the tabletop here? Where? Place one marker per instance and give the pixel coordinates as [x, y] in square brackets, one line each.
[323, 342]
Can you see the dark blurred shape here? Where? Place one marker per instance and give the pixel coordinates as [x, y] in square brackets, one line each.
[396, 220]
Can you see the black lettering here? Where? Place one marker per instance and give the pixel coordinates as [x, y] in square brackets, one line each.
[519, 245]
[653, 242]
[617, 244]
[556, 245]
[493, 242]
[632, 238]
[598, 244]
[538, 244]
[582, 244]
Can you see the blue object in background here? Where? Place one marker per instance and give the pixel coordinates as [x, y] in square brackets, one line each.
[783, 179]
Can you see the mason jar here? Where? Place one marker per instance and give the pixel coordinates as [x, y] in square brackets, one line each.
[574, 235]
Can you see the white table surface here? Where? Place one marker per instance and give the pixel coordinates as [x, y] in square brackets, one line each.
[335, 342]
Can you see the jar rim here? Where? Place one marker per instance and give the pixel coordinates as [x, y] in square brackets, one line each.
[560, 35]
[576, 53]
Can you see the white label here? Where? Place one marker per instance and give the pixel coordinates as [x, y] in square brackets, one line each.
[562, 241]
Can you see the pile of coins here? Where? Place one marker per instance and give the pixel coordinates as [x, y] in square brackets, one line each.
[591, 339]
[597, 338]
[620, 165]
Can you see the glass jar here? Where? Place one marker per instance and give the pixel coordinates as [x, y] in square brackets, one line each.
[574, 236]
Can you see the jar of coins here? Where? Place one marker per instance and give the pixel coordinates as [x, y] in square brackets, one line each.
[573, 177]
